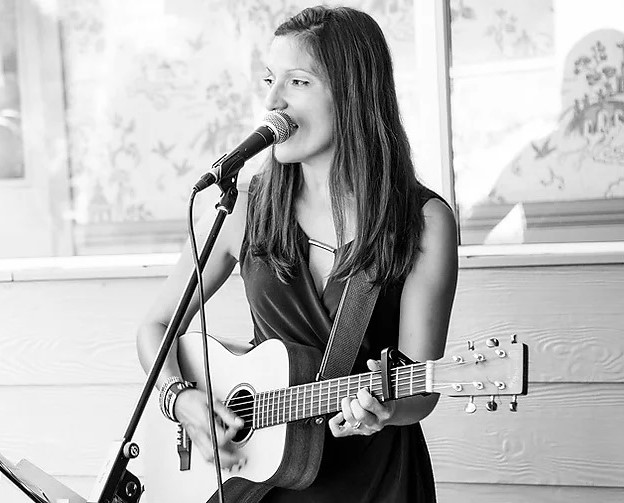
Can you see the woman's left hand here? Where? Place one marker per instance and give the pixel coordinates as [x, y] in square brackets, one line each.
[363, 414]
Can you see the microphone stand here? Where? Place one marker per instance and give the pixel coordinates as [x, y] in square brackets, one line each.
[118, 485]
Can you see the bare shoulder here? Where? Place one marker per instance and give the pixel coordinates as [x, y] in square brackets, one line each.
[440, 228]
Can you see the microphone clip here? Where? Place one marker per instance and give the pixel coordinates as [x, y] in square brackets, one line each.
[225, 168]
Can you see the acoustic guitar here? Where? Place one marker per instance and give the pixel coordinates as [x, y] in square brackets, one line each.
[284, 412]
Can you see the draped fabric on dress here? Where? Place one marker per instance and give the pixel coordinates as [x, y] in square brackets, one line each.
[392, 465]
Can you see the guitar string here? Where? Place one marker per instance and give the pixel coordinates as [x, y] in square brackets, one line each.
[403, 377]
[323, 403]
[400, 374]
[279, 414]
[352, 381]
[403, 382]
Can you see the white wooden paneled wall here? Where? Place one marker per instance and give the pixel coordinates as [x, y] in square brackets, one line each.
[69, 380]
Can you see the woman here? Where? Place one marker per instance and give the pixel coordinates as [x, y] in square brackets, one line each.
[345, 179]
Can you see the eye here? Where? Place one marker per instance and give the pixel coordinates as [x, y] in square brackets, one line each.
[299, 82]
[268, 81]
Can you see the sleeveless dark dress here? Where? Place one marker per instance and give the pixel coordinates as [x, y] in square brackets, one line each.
[392, 465]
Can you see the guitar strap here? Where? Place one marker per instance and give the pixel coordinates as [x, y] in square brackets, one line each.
[352, 317]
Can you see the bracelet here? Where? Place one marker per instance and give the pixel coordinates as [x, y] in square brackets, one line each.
[169, 392]
[172, 396]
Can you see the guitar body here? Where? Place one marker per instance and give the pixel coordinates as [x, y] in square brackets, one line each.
[285, 455]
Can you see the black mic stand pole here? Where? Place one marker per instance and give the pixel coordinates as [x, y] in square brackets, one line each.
[118, 484]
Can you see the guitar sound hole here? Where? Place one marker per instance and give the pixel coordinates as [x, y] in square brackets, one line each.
[241, 403]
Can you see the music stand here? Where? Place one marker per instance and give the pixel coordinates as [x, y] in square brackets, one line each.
[37, 484]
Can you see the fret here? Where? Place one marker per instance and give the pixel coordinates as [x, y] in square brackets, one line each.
[297, 403]
[273, 408]
[283, 403]
[261, 410]
[370, 385]
[412, 379]
[329, 398]
[338, 394]
[290, 398]
[320, 390]
[304, 400]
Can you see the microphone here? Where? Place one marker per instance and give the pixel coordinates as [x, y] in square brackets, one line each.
[276, 127]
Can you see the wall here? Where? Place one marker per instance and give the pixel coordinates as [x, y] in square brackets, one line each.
[69, 380]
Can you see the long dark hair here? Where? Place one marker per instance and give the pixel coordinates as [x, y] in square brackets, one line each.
[372, 159]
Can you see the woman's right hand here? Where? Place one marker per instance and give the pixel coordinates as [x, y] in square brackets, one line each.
[192, 412]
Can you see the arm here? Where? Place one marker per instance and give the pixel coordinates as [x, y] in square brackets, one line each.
[190, 408]
[426, 304]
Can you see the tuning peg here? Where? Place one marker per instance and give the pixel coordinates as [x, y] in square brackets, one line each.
[514, 339]
[491, 405]
[492, 342]
[470, 406]
[513, 405]
[470, 346]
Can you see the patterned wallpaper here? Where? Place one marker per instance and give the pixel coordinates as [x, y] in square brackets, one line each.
[158, 90]
[534, 119]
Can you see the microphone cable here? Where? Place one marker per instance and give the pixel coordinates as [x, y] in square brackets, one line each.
[209, 395]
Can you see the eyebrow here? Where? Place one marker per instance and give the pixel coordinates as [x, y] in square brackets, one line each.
[306, 70]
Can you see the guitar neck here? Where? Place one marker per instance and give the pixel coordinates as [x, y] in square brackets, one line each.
[323, 397]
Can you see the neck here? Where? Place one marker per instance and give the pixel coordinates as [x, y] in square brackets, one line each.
[315, 183]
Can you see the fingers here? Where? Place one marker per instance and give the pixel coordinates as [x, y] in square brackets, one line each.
[360, 415]
[195, 417]
[229, 455]
[230, 419]
[336, 425]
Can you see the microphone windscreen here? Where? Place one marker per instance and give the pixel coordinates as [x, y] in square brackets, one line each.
[281, 124]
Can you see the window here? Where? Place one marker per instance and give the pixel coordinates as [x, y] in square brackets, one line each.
[129, 103]
[537, 115]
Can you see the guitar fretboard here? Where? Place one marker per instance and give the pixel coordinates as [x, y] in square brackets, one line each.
[324, 397]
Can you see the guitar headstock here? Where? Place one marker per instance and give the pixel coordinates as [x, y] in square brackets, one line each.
[495, 370]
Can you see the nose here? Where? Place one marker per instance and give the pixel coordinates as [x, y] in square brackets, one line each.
[275, 98]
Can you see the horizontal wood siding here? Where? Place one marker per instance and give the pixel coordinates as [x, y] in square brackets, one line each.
[501, 493]
[69, 380]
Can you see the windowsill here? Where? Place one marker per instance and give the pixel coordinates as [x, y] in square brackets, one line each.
[87, 267]
[160, 264]
[541, 254]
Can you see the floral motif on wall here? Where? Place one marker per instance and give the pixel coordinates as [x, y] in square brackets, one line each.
[157, 91]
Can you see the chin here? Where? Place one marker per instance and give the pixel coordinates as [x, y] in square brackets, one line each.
[285, 155]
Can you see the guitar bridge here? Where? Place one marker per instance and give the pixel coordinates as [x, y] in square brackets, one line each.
[184, 445]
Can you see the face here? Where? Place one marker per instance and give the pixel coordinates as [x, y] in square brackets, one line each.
[296, 86]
